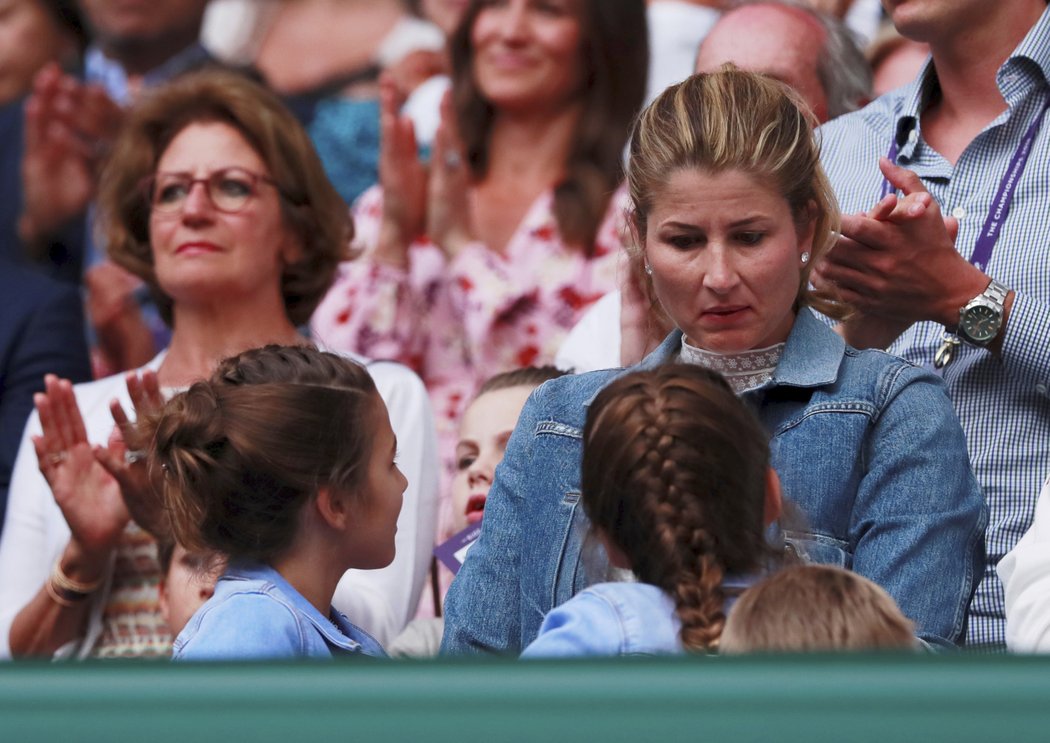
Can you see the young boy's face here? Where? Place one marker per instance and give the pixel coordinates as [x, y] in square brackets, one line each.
[185, 588]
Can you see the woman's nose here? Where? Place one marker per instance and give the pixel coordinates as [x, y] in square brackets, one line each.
[514, 23]
[720, 275]
[198, 202]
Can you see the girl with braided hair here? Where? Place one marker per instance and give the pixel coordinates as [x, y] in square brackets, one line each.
[678, 489]
[294, 482]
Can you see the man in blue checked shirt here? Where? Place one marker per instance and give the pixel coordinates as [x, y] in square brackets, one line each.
[945, 249]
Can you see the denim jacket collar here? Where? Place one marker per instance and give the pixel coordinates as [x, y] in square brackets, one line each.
[336, 631]
[812, 354]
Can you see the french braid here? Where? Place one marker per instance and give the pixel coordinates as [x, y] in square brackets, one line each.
[674, 476]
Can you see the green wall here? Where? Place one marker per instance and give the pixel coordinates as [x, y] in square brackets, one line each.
[839, 699]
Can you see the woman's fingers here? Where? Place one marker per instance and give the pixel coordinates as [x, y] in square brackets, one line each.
[71, 412]
[49, 432]
[151, 386]
[64, 428]
[111, 460]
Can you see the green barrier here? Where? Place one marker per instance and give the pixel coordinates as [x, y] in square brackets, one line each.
[814, 699]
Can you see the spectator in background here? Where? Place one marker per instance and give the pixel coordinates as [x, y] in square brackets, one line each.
[1025, 573]
[483, 434]
[963, 287]
[483, 266]
[215, 197]
[676, 28]
[33, 33]
[816, 608]
[812, 52]
[41, 332]
[70, 124]
[187, 580]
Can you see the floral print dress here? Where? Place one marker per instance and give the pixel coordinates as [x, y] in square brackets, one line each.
[458, 322]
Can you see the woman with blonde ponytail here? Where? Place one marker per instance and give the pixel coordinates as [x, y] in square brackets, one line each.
[678, 489]
[730, 211]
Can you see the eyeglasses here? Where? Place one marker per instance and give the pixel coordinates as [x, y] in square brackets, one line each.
[228, 189]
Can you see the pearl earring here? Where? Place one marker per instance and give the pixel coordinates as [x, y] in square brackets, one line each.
[805, 257]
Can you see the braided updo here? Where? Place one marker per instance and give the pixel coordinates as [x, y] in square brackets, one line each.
[673, 475]
[242, 452]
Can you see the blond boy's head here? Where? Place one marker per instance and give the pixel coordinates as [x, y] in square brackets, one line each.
[807, 608]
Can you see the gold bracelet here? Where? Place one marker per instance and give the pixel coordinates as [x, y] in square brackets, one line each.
[63, 582]
[61, 601]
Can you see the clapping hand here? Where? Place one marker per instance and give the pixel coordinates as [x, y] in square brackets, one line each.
[125, 459]
[87, 494]
[402, 177]
[448, 212]
[897, 264]
[68, 130]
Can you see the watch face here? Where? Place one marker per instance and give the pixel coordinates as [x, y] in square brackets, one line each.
[980, 324]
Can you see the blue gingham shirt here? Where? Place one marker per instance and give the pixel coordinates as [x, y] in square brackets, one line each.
[1003, 403]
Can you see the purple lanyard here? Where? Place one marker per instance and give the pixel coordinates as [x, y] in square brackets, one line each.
[982, 251]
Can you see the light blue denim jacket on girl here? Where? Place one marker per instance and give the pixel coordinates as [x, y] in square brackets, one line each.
[865, 444]
[256, 614]
[609, 619]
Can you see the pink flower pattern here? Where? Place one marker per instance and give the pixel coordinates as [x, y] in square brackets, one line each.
[457, 322]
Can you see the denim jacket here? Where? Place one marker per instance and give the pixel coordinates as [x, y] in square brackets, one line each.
[618, 619]
[865, 444]
[256, 614]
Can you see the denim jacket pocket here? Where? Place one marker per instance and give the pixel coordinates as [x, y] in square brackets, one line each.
[819, 549]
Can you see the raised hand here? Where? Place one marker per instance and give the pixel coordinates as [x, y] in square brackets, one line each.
[87, 494]
[124, 457]
[898, 265]
[402, 176]
[448, 212]
[68, 130]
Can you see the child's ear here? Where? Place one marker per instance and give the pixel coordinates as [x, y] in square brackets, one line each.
[773, 500]
[333, 507]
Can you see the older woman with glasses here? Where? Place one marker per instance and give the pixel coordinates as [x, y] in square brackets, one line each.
[215, 198]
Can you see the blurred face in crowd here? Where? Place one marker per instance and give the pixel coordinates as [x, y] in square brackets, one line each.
[202, 254]
[444, 14]
[930, 20]
[725, 253]
[483, 435]
[29, 38]
[783, 43]
[118, 22]
[527, 53]
[189, 582]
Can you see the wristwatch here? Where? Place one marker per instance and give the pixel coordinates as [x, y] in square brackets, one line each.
[982, 317]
